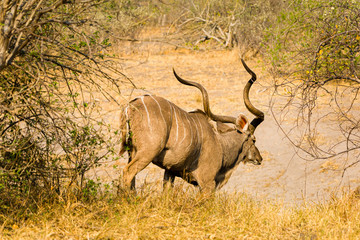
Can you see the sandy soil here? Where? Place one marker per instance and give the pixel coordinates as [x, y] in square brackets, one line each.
[283, 175]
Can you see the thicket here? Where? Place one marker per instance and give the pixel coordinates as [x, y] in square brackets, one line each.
[197, 24]
[313, 50]
[53, 57]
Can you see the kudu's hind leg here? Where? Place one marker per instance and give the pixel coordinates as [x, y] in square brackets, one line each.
[169, 179]
[132, 184]
[138, 162]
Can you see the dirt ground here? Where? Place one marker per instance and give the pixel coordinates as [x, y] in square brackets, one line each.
[283, 175]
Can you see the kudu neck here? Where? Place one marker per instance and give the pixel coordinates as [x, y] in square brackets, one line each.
[231, 143]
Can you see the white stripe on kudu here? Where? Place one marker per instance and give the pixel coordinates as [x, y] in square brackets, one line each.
[184, 127]
[197, 130]
[126, 112]
[191, 133]
[162, 116]
[177, 125]
[147, 112]
[201, 130]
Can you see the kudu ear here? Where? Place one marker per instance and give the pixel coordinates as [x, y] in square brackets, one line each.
[242, 123]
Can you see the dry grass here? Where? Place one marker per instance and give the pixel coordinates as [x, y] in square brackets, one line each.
[186, 215]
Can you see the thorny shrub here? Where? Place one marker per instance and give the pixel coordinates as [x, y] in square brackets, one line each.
[53, 60]
[313, 51]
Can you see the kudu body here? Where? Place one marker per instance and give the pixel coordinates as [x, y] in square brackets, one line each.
[185, 144]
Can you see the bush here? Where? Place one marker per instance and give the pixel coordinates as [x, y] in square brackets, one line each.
[227, 23]
[52, 62]
[313, 49]
[320, 38]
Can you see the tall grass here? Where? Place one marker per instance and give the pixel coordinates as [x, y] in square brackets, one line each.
[180, 214]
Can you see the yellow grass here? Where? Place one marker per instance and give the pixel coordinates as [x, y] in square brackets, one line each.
[183, 214]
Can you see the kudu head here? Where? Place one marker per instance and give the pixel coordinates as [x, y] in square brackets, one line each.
[249, 152]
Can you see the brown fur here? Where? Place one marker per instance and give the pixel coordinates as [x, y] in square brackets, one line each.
[184, 144]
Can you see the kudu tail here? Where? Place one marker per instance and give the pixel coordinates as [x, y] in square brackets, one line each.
[124, 128]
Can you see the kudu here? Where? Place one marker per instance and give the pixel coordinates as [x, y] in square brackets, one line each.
[185, 144]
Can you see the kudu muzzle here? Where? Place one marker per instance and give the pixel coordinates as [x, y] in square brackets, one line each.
[252, 152]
